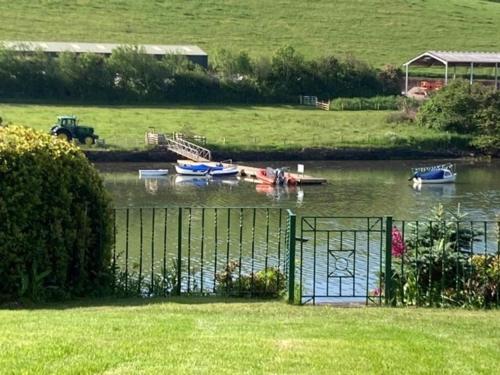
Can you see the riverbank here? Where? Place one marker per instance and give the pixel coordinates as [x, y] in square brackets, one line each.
[161, 155]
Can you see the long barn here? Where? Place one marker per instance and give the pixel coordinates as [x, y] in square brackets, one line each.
[193, 53]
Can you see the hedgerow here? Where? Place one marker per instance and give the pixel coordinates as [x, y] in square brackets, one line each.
[129, 75]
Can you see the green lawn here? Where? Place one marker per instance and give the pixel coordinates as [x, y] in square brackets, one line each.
[233, 337]
[378, 31]
[239, 127]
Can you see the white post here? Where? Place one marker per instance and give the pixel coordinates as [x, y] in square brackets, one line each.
[446, 74]
[454, 72]
[406, 80]
[471, 72]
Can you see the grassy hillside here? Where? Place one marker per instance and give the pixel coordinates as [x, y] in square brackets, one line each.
[241, 127]
[196, 336]
[378, 31]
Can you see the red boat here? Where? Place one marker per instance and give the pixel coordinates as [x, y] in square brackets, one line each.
[272, 176]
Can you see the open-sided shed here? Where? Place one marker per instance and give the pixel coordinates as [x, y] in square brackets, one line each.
[454, 60]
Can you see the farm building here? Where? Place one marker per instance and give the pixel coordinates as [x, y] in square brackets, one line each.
[193, 53]
[451, 61]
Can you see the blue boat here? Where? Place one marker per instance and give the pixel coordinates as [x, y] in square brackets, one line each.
[202, 169]
[438, 174]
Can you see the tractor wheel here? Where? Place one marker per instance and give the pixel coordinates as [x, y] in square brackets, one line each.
[88, 141]
[64, 136]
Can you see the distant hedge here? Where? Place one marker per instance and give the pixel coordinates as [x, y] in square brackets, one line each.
[55, 227]
[377, 103]
[129, 75]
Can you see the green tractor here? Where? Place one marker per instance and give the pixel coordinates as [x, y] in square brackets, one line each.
[67, 128]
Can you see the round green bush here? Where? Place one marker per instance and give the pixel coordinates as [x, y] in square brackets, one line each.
[55, 219]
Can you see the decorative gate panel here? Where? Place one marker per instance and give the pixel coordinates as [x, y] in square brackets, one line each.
[341, 259]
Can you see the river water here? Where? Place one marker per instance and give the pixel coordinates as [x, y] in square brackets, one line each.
[354, 188]
[342, 265]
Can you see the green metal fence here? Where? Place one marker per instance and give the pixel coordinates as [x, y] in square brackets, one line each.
[185, 250]
[314, 259]
[341, 259]
[378, 260]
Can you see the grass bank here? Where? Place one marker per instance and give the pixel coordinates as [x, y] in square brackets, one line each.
[217, 336]
[242, 128]
[379, 31]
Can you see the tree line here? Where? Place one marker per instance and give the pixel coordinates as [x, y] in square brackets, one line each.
[130, 75]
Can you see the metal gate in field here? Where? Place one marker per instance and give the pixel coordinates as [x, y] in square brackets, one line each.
[341, 259]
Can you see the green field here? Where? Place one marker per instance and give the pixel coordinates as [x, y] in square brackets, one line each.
[377, 31]
[235, 337]
[237, 127]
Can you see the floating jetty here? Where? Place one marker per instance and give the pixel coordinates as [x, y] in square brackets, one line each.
[248, 173]
[196, 153]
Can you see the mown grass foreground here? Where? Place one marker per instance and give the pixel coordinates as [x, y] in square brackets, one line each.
[379, 31]
[239, 127]
[192, 335]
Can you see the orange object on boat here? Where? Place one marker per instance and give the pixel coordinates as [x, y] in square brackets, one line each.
[275, 177]
[265, 178]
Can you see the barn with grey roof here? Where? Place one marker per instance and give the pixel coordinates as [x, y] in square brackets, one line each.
[193, 53]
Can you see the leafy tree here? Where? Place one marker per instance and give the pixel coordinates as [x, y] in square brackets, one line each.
[451, 108]
[228, 64]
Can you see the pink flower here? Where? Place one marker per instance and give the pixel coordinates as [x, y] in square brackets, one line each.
[398, 245]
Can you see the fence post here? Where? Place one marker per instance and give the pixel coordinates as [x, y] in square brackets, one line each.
[389, 299]
[179, 253]
[291, 256]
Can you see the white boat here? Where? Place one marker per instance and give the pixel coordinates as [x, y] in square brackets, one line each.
[202, 169]
[152, 172]
[439, 174]
[188, 170]
[224, 172]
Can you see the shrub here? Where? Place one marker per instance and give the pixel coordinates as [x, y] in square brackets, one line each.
[270, 282]
[436, 265]
[55, 232]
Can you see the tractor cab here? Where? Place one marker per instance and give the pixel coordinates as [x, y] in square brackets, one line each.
[67, 128]
[66, 121]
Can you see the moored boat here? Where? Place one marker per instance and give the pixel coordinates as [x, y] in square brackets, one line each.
[224, 172]
[277, 176]
[152, 172]
[439, 174]
[192, 170]
[201, 169]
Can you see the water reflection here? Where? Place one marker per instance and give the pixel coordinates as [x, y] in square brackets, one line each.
[442, 190]
[154, 184]
[281, 192]
[191, 181]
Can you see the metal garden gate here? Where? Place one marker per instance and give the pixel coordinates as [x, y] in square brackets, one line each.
[342, 259]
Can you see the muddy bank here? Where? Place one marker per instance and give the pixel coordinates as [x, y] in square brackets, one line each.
[258, 155]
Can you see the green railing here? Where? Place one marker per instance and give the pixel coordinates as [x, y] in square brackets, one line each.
[185, 250]
[269, 252]
[376, 260]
